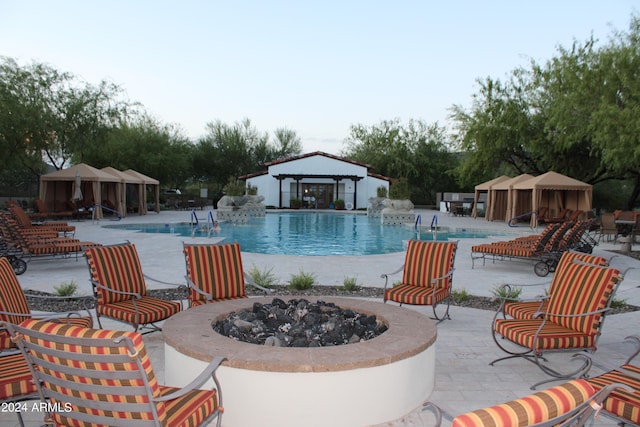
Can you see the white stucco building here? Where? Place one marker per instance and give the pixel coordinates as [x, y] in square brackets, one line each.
[318, 179]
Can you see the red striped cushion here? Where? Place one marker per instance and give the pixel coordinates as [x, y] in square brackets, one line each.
[581, 289]
[78, 332]
[552, 337]
[216, 270]
[116, 267]
[15, 377]
[416, 295]
[191, 409]
[425, 261]
[620, 402]
[526, 309]
[532, 409]
[12, 300]
[150, 310]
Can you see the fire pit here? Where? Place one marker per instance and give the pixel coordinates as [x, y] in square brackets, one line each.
[363, 383]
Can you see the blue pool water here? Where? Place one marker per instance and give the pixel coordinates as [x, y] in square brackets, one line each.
[308, 233]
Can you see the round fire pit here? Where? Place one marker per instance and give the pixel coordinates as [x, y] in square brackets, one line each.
[358, 384]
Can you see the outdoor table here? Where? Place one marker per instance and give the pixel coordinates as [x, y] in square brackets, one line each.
[624, 226]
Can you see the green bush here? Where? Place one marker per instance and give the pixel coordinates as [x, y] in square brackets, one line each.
[507, 291]
[350, 284]
[264, 278]
[234, 188]
[339, 204]
[460, 295]
[400, 190]
[381, 191]
[302, 281]
[66, 289]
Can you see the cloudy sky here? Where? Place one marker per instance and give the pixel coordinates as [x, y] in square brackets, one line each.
[316, 67]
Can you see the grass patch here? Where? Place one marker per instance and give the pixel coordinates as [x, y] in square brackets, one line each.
[302, 281]
[264, 278]
[507, 292]
[66, 289]
[350, 284]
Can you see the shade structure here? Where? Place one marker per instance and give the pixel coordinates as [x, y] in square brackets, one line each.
[148, 185]
[554, 191]
[129, 190]
[500, 195]
[57, 188]
[485, 187]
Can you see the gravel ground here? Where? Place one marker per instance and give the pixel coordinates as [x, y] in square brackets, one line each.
[471, 301]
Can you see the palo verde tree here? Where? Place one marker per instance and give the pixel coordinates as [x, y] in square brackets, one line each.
[415, 151]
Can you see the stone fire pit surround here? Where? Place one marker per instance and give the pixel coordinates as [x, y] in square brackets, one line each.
[349, 385]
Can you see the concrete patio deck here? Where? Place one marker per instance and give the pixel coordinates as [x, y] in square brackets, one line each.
[464, 380]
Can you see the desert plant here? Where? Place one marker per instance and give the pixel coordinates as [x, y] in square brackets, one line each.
[302, 281]
[252, 190]
[350, 284]
[234, 188]
[618, 302]
[507, 292]
[460, 295]
[381, 191]
[66, 289]
[264, 278]
[339, 204]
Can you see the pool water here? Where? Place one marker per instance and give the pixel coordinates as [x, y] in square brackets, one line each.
[310, 234]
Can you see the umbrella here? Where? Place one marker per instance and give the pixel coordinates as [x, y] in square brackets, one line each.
[77, 192]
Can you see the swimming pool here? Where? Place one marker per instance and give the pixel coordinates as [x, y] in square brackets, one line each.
[310, 234]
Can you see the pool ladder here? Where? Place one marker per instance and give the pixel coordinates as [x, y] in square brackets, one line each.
[433, 228]
[195, 222]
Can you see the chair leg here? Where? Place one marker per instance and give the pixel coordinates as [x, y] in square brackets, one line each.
[446, 312]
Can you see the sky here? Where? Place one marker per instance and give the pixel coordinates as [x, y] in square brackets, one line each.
[316, 67]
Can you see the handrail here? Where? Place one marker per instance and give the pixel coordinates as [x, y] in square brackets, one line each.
[416, 228]
[528, 214]
[434, 230]
[194, 217]
[97, 205]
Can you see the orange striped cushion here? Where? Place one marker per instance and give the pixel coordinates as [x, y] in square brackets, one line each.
[91, 367]
[15, 377]
[535, 408]
[150, 310]
[526, 309]
[117, 267]
[426, 261]
[581, 289]
[191, 409]
[416, 295]
[620, 402]
[12, 300]
[552, 336]
[216, 270]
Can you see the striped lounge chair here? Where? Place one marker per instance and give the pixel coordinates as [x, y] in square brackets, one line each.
[215, 273]
[102, 377]
[120, 289]
[427, 276]
[572, 321]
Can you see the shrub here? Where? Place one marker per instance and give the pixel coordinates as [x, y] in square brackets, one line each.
[264, 278]
[302, 281]
[350, 284]
[381, 191]
[400, 190]
[295, 203]
[66, 289]
[339, 204]
[507, 291]
[234, 188]
[461, 295]
[618, 302]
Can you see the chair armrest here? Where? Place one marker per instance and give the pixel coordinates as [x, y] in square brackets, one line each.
[133, 294]
[194, 287]
[385, 276]
[205, 375]
[446, 276]
[591, 313]
[437, 412]
[250, 281]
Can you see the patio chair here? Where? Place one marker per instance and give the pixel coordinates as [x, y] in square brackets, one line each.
[14, 306]
[120, 289]
[527, 309]
[16, 382]
[215, 273]
[102, 377]
[427, 276]
[573, 319]
[561, 217]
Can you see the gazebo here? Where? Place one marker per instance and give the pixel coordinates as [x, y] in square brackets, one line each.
[485, 187]
[553, 191]
[146, 185]
[58, 187]
[500, 196]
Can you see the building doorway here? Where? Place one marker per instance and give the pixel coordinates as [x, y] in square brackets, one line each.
[318, 196]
